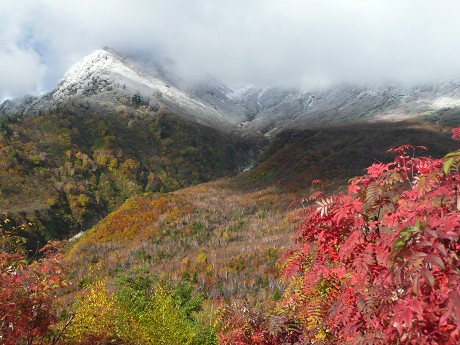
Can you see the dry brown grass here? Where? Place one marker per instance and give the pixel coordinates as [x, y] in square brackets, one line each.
[239, 235]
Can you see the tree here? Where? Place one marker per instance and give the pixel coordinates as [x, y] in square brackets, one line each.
[96, 317]
[380, 263]
[27, 290]
[137, 310]
[136, 100]
[163, 323]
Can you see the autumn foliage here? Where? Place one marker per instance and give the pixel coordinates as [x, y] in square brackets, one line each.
[28, 300]
[380, 263]
[241, 325]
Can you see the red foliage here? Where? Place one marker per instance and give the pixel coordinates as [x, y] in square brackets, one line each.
[456, 133]
[27, 297]
[380, 264]
[241, 327]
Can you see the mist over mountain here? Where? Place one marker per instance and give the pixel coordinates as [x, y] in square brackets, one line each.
[291, 44]
[107, 81]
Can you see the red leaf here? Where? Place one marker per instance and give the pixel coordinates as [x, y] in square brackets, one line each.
[435, 260]
[406, 317]
[377, 169]
[427, 275]
[416, 306]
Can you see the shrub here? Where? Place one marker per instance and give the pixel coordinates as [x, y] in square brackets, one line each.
[380, 263]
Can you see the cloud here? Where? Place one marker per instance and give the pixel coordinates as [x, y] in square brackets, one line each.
[20, 72]
[293, 42]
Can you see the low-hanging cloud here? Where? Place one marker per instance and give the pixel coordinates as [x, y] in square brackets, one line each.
[306, 43]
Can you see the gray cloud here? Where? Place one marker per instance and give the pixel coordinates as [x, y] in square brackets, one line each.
[293, 42]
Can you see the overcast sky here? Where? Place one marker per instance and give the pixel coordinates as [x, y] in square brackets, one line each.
[305, 43]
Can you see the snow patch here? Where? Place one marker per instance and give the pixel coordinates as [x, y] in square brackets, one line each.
[104, 67]
[249, 167]
[77, 236]
[446, 102]
[260, 95]
[99, 60]
[270, 133]
[238, 93]
[393, 117]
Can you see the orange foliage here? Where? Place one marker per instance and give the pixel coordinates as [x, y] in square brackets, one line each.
[138, 217]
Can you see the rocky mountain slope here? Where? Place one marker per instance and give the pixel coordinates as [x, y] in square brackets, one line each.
[277, 109]
[107, 81]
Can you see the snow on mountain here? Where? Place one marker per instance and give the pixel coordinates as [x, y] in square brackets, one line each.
[107, 81]
[274, 109]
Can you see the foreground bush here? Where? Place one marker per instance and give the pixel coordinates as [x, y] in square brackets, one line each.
[28, 291]
[138, 311]
[380, 263]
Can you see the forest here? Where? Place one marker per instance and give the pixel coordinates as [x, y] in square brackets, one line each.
[169, 259]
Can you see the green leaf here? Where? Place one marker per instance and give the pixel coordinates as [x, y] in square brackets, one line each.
[452, 154]
[398, 243]
[447, 165]
[406, 234]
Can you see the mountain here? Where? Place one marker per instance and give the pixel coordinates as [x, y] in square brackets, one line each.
[109, 130]
[107, 81]
[115, 127]
[274, 109]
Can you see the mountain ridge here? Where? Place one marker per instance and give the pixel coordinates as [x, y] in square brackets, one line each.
[107, 81]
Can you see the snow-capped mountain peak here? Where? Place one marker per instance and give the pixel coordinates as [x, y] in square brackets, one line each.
[105, 81]
[96, 61]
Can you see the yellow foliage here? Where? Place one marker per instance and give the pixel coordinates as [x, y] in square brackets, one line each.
[201, 258]
[162, 323]
[138, 217]
[113, 163]
[83, 200]
[52, 200]
[99, 315]
[95, 314]
[129, 166]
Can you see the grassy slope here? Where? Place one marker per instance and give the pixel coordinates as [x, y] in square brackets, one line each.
[226, 235]
[226, 241]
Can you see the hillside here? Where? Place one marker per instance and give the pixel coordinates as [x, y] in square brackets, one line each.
[65, 171]
[226, 241]
[181, 201]
[227, 235]
[335, 154]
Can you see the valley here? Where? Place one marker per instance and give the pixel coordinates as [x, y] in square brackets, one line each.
[198, 188]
